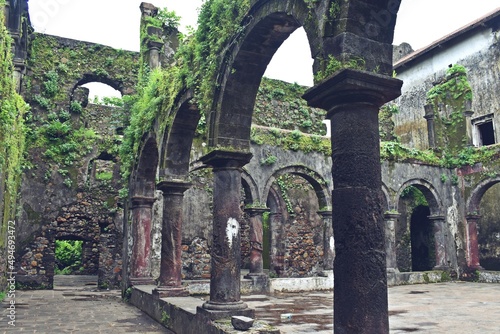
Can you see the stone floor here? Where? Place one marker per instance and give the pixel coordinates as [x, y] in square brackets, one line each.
[458, 308]
[75, 306]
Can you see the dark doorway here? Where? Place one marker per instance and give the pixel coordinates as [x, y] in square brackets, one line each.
[487, 133]
[422, 240]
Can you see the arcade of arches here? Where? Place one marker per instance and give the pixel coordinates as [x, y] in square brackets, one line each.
[227, 172]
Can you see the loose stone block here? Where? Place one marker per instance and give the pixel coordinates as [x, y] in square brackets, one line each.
[241, 323]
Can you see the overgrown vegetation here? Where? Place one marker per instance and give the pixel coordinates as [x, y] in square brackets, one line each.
[12, 134]
[333, 64]
[277, 98]
[196, 65]
[68, 255]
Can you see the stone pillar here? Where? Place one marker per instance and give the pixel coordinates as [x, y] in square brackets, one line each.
[472, 244]
[225, 268]
[256, 241]
[328, 241]
[154, 54]
[390, 241]
[140, 262]
[468, 125]
[352, 99]
[431, 132]
[169, 283]
[277, 263]
[440, 242]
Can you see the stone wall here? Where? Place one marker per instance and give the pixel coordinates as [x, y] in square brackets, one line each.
[71, 190]
[476, 52]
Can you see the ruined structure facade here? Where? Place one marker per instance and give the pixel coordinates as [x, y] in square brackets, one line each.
[221, 171]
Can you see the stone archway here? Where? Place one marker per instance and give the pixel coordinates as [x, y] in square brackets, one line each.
[293, 217]
[141, 207]
[420, 232]
[473, 216]
[352, 99]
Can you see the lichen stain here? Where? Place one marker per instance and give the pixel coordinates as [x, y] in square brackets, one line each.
[332, 244]
[232, 230]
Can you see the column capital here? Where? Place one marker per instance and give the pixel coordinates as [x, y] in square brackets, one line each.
[255, 211]
[472, 217]
[350, 86]
[142, 201]
[436, 217]
[391, 215]
[154, 45]
[325, 213]
[173, 186]
[148, 9]
[429, 111]
[226, 159]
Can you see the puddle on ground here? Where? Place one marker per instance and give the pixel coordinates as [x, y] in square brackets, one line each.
[297, 309]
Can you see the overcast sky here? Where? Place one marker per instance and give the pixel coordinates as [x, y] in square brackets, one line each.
[116, 23]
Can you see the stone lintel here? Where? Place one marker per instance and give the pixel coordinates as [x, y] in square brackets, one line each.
[226, 159]
[173, 186]
[142, 201]
[348, 86]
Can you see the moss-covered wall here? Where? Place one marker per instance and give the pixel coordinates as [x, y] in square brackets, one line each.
[68, 139]
[12, 142]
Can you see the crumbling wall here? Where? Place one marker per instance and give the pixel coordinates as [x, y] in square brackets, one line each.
[71, 189]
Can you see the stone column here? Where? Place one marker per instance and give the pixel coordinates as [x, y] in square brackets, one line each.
[431, 132]
[440, 242]
[154, 48]
[328, 241]
[352, 99]
[472, 244]
[468, 123]
[256, 241]
[390, 241]
[225, 254]
[140, 262]
[171, 240]
[277, 260]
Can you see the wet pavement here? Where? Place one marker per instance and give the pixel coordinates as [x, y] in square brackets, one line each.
[451, 308]
[76, 306]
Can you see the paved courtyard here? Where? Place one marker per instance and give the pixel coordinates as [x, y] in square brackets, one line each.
[457, 308]
[451, 308]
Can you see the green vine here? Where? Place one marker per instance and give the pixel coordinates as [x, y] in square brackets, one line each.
[333, 64]
[12, 131]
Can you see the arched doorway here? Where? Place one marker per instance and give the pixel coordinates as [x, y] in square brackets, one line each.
[420, 238]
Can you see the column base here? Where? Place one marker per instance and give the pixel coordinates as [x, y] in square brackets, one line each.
[170, 291]
[142, 281]
[217, 311]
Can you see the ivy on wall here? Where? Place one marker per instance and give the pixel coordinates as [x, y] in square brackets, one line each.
[448, 98]
[12, 134]
[197, 62]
